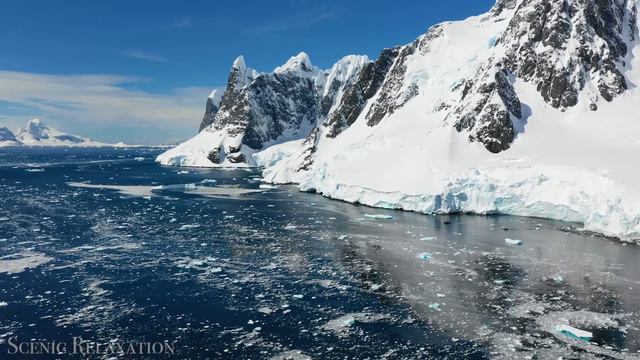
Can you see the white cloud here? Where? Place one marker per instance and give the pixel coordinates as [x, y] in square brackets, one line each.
[144, 55]
[101, 100]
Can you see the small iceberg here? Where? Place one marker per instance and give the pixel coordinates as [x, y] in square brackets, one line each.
[208, 181]
[425, 256]
[434, 306]
[574, 333]
[513, 241]
[378, 216]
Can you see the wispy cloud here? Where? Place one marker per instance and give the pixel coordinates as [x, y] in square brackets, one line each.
[182, 23]
[144, 55]
[100, 100]
[295, 22]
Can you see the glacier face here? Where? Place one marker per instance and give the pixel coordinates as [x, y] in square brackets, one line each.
[526, 110]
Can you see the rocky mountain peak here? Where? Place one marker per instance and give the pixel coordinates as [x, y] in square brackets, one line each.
[297, 64]
[239, 63]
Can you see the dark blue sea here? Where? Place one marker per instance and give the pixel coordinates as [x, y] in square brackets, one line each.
[104, 246]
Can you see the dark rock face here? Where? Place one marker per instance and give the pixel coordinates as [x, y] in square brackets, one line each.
[236, 158]
[392, 95]
[279, 103]
[365, 87]
[257, 109]
[502, 5]
[209, 114]
[310, 146]
[216, 156]
[486, 106]
[560, 45]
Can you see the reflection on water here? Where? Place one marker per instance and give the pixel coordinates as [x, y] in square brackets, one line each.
[278, 273]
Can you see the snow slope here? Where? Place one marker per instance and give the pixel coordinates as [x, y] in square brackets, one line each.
[509, 112]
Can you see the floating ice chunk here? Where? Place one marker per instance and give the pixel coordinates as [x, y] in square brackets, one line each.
[189, 226]
[425, 256]
[574, 333]
[216, 270]
[208, 181]
[513, 241]
[558, 279]
[139, 158]
[265, 310]
[440, 295]
[183, 172]
[342, 237]
[428, 238]
[378, 216]
[434, 306]
[267, 186]
[3, 304]
[35, 170]
[298, 296]
[290, 227]
[176, 187]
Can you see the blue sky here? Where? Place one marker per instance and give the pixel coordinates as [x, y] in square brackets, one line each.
[140, 71]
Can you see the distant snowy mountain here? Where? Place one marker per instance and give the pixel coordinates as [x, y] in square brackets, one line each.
[36, 133]
[7, 138]
[530, 109]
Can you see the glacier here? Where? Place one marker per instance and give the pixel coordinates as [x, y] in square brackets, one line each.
[459, 122]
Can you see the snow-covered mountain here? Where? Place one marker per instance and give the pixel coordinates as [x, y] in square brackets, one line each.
[7, 138]
[529, 109]
[36, 133]
[258, 110]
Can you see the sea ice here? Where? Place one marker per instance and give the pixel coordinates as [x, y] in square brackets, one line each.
[16, 263]
[513, 241]
[378, 216]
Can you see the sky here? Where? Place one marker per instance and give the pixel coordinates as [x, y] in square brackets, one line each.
[140, 71]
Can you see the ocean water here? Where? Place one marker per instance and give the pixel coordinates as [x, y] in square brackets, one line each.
[106, 245]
